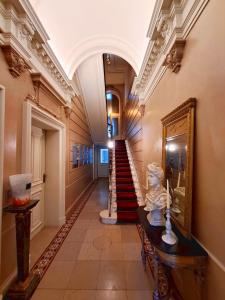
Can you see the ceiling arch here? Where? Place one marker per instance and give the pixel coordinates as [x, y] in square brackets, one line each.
[79, 29]
[99, 45]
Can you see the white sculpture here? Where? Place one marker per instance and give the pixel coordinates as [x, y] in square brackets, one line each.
[156, 197]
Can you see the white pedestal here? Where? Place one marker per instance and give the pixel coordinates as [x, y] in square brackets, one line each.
[105, 219]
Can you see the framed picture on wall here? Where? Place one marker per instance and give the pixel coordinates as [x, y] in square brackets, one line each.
[75, 156]
[177, 157]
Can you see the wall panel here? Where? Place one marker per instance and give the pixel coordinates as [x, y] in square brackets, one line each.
[77, 133]
[201, 76]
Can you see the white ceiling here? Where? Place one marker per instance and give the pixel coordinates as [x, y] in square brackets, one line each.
[80, 30]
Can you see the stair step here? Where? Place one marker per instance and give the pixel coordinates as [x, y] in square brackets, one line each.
[125, 205]
[127, 217]
[126, 196]
[123, 174]
[122, 160]
[125, 187]
[124, 180]
[123, 169]
[121, 164]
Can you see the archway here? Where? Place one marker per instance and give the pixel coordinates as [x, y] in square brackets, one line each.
[99, 45]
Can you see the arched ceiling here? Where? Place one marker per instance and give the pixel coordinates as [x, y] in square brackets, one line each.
[79, 29]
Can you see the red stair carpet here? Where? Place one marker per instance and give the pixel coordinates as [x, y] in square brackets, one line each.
[125, 191]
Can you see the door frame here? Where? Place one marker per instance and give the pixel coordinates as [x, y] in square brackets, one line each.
[2, 126]
[55, 159]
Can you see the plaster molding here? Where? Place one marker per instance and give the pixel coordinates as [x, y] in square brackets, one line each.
[22, 30]
[68, 111]
[174, 57]
[171, 23]
[141, 110]
[98, 45]
[17, 65]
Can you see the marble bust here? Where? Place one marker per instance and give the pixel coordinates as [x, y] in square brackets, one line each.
[156, 196]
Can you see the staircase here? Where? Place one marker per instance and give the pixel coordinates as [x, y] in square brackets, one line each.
[125, 191]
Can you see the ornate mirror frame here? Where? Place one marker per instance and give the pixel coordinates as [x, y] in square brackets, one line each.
[178, 126]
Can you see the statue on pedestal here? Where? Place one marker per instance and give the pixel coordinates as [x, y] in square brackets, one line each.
[156, 196]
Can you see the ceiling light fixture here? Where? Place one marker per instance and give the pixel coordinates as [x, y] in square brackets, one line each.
[108, 60]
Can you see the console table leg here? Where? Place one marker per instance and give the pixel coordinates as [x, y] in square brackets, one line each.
[23, 244]
[156, 295]
[23, 287]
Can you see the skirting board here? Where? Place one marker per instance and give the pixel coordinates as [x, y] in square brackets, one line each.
[78, 198]
[212, 256]
[4, 286]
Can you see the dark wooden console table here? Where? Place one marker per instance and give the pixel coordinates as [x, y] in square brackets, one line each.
[26, 282]
[162, 257]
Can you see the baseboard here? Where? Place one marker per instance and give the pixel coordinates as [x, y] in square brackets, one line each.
[212, 256]
[68, 211]
[6, 283]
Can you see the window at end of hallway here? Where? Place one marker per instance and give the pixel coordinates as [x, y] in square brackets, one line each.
[104, 156]
[109, 96]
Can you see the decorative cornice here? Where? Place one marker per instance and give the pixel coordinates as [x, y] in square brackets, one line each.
[23, 31]
[17, 65]
[171, 22]
[39, 81]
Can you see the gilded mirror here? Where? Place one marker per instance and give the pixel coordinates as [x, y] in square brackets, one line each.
[178, 144]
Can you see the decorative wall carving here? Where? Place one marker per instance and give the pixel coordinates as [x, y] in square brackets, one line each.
[171, 22]
[174, 57]
[32, 98]
[45, 96]
[17, 65]
[68, 111]
[142, 110]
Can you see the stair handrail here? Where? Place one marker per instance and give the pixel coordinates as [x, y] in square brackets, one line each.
[110, 184]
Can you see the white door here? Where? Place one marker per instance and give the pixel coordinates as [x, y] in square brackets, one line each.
[38, 178]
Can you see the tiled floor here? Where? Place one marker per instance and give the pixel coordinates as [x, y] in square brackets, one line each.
[96, 261]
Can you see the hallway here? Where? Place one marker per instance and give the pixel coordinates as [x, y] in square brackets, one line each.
[97, 261]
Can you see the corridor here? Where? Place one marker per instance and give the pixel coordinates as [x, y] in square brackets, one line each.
[97, 261]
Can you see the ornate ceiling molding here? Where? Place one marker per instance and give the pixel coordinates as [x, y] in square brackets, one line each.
[171, 22]
[22, 31]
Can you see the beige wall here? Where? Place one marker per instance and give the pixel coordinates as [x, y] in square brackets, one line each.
[16, 90]
[201, 76]
[77, 179]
